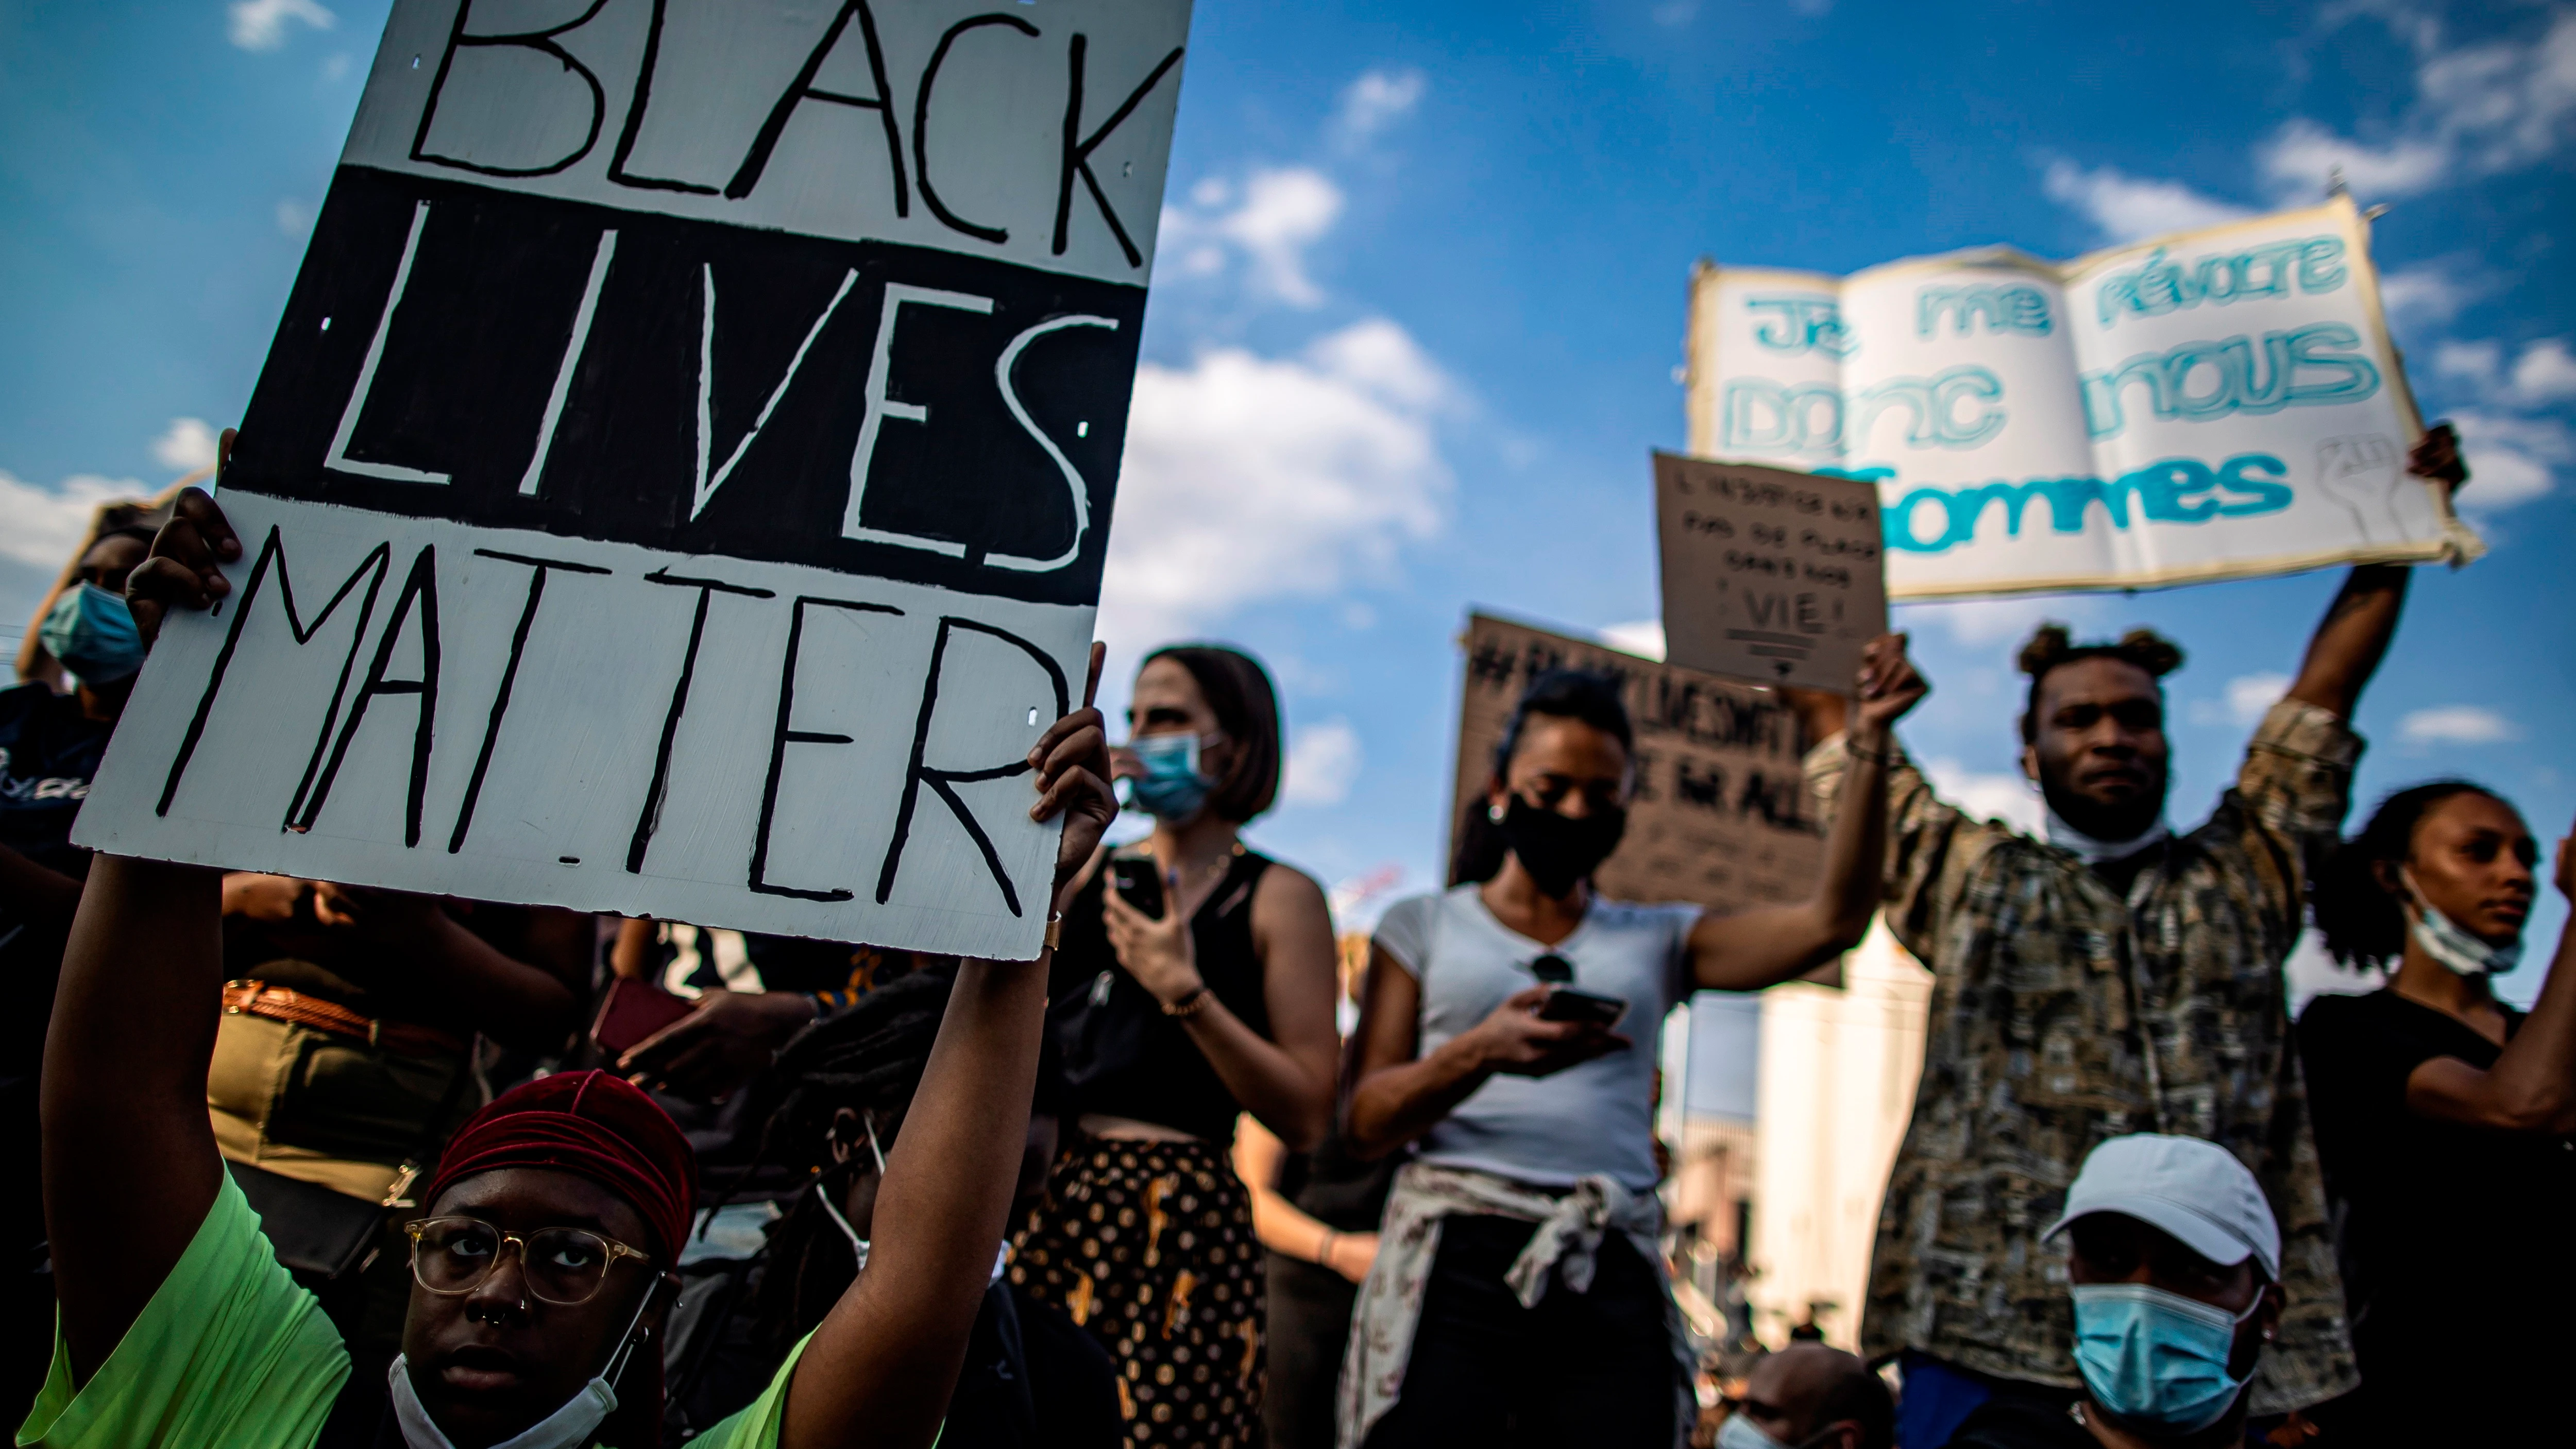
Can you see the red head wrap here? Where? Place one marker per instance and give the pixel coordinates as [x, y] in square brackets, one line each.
[595, 1124]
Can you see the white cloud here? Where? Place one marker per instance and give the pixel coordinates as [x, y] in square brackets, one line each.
[2426, 295]
[1383, 358]
[2545, 373]
[1378, 99]
[1251, 477]
[2247, 697]
[41, 526]
[1323, 763]
[2125, 208]
[1642, 637]
[2479, 110]
[294, 218]
[2543, 376]
[2511, 459]
[262, 24]
[2478, 362]
[1271, 220]
[1997, 621]
[2457, 724]
[2008, 798]
[185, 446]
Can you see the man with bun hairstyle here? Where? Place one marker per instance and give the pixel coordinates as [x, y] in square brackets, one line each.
[542, 1255]
[2119, 977]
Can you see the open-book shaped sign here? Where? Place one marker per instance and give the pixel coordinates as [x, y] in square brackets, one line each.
[680, 480]
[2215, 404]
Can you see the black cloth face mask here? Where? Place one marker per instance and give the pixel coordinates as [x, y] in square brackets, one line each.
[1559, 851]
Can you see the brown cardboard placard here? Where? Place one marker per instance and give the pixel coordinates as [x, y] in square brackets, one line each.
[1721, 817]
[1768, 574]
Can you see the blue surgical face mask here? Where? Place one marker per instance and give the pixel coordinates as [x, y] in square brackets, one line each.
[92, 632]
[2155, 1358]
[2447, 942]
[1740, 1432]
[1172, 788]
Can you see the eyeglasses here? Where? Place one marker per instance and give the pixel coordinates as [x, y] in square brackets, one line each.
[452, 1256]
[1553, 969]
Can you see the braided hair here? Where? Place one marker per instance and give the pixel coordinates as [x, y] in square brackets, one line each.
[2363, 925]
[868, 1058]
[2053, 647]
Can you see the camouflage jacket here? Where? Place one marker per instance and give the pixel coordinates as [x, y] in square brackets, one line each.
[2062, 1015]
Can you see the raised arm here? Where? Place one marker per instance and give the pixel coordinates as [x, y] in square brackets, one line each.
[882, 1365]
[129, 1157]
[2532, 1086]
[2354, 635]
[1753, 949]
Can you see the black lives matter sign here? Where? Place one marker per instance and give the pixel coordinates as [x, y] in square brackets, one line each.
[680, 481]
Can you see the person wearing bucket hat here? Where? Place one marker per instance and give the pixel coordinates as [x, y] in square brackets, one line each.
[2173, 1265]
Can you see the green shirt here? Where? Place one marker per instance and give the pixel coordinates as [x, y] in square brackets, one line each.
[230, 1352]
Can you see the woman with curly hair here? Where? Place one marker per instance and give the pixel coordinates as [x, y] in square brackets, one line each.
[2443, 1117]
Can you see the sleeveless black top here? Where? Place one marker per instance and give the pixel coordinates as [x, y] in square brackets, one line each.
[1122, 1056]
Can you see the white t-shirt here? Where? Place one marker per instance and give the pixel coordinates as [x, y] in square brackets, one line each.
[1598, 1117]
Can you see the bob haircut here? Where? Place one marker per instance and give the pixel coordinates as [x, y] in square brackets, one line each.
[1238, 690]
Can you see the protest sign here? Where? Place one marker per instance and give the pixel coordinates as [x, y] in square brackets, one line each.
[680, 481]
[1768, 575]
[2214, 404]
[1721, 818]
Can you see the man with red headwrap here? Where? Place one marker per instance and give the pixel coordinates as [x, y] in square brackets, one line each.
[542, 1261]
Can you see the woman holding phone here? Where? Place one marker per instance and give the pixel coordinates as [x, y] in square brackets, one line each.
[1195, 984]
[1506, 1032]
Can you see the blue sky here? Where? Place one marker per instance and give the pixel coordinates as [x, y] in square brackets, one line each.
[1419, 307]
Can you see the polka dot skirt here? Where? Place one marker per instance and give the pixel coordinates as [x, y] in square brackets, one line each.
[1149, 1246]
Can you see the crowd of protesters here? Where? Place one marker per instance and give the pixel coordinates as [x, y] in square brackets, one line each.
[322, 1164]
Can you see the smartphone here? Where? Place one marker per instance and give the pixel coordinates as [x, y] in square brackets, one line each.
[632, 1011]
[1140, 880]
[1573, 1003]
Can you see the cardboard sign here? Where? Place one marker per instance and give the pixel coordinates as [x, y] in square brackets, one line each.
[2215, 404]
[1768, 575]
[680, 481]
[1721, 817]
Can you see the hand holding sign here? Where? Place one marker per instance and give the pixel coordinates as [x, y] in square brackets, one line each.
[181, 569]
[1889, 685]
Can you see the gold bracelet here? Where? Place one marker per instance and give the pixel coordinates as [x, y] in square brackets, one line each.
[1324, 1249]
[1055, 932]
[1192, 1004]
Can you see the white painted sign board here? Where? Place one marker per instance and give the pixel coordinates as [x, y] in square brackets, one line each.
[2222, 403]
[680, 481]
